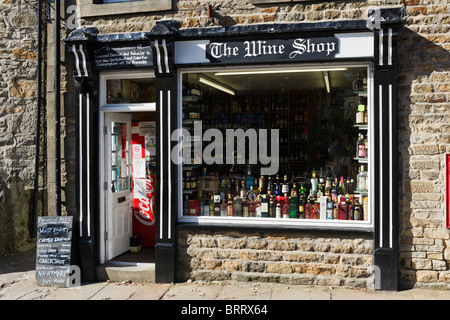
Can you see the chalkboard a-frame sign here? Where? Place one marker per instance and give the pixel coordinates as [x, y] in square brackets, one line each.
[54, 238]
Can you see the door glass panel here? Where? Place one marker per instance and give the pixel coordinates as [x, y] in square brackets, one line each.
[119, 157]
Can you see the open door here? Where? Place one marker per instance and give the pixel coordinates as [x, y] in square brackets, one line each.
[118, 212]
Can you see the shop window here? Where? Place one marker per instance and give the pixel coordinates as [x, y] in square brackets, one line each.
[306, 146]
[130, 91]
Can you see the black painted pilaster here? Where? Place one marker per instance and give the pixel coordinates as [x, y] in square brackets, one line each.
[79, 46]
[385, 171]
[166, 122]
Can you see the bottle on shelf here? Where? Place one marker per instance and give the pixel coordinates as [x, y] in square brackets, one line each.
[272, 206]
[327, 192]
[285, 187]
[249, 178]
[237, 203]
[245, 212]
[360, 114]
[270, 190]
[243, 190]
[362, 180]
[329, 210]
[251, 199]
[276, 186]
[216, 205]
[314, 183]
[186, 206]
[335, 211]
[301, 209]
[309, 204]
[361, 147]
[230, 209]
[261, 186]
[278, 208]
[264, 206]
[211, 206]
[357, 211]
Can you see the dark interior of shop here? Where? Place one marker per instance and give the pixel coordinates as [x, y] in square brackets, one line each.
[321, 115]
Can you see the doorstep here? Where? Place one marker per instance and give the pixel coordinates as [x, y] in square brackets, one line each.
[125, 271]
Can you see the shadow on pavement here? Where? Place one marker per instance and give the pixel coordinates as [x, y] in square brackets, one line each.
[20, 261]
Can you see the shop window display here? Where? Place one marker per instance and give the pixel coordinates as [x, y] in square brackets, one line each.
[319, 120]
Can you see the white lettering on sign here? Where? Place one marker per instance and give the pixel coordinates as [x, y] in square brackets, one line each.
[257, 48]
[303, 45]
[220, 49]
[275, 49]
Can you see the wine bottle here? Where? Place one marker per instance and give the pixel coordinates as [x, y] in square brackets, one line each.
[357, 210]
[211, 206]
[245, 207]
[278, 209]
[285, 186]
[272, 206]
[230, 209]
[314, 183]
[270, 190]
[277, 186]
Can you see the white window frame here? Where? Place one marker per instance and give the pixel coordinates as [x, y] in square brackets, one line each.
[124, 107]
[89, 8]
[309, 224]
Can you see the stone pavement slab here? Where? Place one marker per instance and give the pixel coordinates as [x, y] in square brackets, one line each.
[357, 294]
[83, 292]
[151, 291]
[116, 291]
[192, 291]
[22, 286]
[430, 294]
[288, 292]
[245, 291]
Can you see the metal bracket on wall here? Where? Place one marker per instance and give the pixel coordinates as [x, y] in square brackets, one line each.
[374, 18]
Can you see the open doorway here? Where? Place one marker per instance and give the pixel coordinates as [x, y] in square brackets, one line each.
[130, 174]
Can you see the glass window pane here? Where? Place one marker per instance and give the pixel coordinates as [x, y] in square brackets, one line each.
[318, 120]
[130, 91]
[119, 157]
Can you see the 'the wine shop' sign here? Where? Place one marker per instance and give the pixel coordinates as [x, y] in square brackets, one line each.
[262, 50]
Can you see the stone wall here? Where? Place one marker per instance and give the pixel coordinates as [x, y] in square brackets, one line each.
[287, 257]
[424, 137]
[18, 57]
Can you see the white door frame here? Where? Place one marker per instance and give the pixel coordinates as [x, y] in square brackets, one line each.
[104, 108]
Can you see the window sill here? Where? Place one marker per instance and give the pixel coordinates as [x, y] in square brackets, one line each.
[277, 224]
[90, 9]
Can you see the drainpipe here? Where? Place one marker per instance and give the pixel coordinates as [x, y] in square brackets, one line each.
[57, 110]
[38, 123]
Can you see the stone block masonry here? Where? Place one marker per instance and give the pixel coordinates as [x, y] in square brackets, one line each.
[18, 64]
[285, 257]
[424, 138]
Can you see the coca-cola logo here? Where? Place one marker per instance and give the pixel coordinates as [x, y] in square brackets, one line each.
[144, 210]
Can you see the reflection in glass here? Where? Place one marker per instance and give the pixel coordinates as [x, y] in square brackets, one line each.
[130, 91]
[119, 157]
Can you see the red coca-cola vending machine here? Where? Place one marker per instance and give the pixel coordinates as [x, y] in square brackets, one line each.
[144, 180]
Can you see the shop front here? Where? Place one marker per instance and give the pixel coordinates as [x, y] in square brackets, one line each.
[270, 150]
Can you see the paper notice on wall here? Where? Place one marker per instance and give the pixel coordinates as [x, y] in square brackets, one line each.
[150, 145]
[147, 128]
[138, 168]
[137, 151]
[140, 189]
